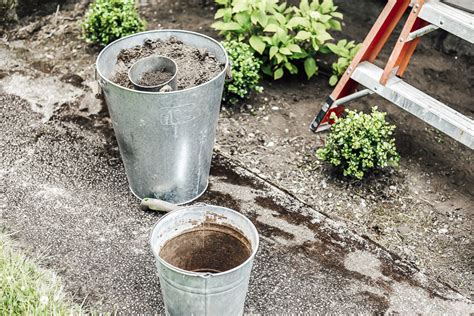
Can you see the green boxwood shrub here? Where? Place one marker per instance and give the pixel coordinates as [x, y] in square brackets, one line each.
[360, 142]
[108, 20]
[245, 72]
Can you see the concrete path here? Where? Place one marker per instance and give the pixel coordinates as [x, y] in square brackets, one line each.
[64, 193]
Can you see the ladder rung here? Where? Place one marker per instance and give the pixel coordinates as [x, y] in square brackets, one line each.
[421, 32]
[430, 110]
[353, 96]
[452, 20]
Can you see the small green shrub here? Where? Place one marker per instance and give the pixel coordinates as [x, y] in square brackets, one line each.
[360, 142]
[108, 20]
[283, 35]
[245, 72]
[346, 52]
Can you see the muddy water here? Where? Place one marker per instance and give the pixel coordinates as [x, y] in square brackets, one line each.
[209, 248]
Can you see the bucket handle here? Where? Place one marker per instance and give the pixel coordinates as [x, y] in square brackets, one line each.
[206, 275]
[162, 206]
[157, 205]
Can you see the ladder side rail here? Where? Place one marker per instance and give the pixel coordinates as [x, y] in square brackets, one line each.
[373, 43]
[371, 47]
[409, 49]
[404, 49]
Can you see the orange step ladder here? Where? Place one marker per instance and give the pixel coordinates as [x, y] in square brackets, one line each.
[425, 17]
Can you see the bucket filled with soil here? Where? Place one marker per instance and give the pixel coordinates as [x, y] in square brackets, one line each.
[204, 255]
[164, 122]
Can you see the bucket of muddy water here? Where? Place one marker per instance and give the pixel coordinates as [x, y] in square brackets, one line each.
[165, 137]
[204, 256]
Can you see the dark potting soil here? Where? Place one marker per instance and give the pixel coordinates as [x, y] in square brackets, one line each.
[210, 248]
[195, 66]
[154, 78]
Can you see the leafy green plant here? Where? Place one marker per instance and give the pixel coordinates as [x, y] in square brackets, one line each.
[245, 72]
[108, 20]
[346, 52]
[360, 142]
[284, 35]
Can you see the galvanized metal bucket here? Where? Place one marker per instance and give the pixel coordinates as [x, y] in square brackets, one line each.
[165, 138]
[197, 293]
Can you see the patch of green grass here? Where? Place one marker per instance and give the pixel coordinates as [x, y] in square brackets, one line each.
[27, 289]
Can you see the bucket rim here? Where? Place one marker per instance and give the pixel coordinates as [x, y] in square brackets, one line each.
[162, 31]
[201, 274]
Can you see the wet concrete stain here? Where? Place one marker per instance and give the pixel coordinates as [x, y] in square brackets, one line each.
[270, 231]
[42, 66]
[408, 275]
[222, 168]
[290, 217]
[327, 249]
[73, 79]
[330, 248]
[380, 303]
[218, 198]
[398, 274]
[78, 119]
[326, 255]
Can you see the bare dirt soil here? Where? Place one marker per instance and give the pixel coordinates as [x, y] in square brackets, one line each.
[422, 211]
[187, 58]
[155, 78]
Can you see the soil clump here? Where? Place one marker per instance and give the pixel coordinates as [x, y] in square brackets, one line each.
[195, 66]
